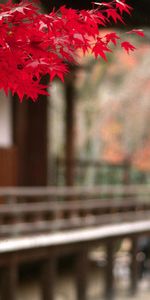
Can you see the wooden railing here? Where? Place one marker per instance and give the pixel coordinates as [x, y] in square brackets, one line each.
[45, 223]
[35, 210]
[96, 172]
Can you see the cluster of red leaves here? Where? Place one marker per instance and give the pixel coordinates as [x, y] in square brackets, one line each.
[33, 44]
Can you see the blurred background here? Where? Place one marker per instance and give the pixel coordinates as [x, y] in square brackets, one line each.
[93, 130]
[111, 119]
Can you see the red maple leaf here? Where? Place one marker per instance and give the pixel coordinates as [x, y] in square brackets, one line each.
[114, 15]
[100, 48]
[33, 44]
[112, 37]
[123, 7]
[127, 46]
[139, 32]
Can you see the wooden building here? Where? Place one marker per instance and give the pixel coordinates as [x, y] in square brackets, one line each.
[23, 137]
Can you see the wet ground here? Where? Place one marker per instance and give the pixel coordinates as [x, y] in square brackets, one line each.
[65, 284]
[65, 289]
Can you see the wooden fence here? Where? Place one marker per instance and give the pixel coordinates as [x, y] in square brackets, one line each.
[96, 172]
[45, 223]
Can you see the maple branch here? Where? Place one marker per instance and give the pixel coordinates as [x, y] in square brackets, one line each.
[47, 43]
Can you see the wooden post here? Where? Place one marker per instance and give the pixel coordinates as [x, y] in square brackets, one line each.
[30, 138]
[70, 132]
[48, 276]
[8, 284]
[81, 271]
[127, 171]
[133, 267]
[109, 280]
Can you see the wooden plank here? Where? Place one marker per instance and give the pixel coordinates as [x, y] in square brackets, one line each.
[143, 190]
[20, 124]
[70, 130]
[83, 235]
[8, 166]
[55, 205]
[9, 278]
[109, 279]
[20, 227]
[48, 278]
[81, 271]
[134, 266]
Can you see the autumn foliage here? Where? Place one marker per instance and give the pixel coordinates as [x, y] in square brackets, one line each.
[33, 44]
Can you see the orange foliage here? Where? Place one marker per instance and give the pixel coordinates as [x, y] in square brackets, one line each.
[111, 130]
[112, 149]
[141, 159]
[113, 153]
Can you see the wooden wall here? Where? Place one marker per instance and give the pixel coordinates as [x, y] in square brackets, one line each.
[8, 166]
